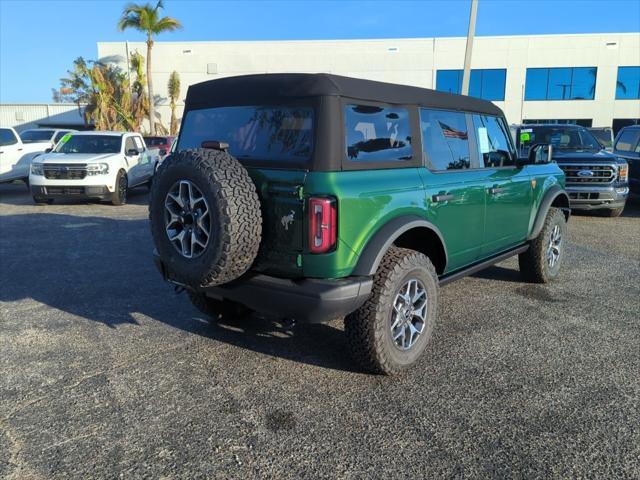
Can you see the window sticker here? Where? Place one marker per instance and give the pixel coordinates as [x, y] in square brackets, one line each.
[483, 140]
[138, 142]
[65, 139]
[525, 137]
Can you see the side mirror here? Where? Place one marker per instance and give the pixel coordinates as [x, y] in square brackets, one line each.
[48, 150]
[540, 153]
[132, 152]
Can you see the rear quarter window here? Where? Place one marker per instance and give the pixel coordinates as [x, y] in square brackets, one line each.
[377, 134]
[264, 133]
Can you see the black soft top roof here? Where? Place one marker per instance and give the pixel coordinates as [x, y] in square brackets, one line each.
[276, 87]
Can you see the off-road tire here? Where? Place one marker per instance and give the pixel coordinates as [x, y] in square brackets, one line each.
[368, 328]
[218, 309]
[42, 201]
[613, 212]
[533, 263]
[119, 195]
[236, 220]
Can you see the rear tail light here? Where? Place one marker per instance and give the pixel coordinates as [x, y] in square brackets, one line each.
[323, 224]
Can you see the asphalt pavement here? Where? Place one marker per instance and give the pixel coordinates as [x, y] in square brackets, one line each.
[106, 373]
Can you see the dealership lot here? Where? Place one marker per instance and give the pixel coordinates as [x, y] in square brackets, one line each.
[104, 369]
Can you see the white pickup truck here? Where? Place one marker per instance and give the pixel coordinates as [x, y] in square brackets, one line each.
[16, 156]
[93, 165]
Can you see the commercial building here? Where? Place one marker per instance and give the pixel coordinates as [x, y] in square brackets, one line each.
[591, 79]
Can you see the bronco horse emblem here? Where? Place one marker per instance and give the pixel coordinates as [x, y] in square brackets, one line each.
[287, 220]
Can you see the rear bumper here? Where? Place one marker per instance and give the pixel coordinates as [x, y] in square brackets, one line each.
[305, 300]
[71, 191]
[597, 197]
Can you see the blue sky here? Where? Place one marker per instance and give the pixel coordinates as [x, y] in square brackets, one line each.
[40, 39]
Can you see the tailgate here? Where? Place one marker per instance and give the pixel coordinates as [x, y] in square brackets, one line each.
[280, 193]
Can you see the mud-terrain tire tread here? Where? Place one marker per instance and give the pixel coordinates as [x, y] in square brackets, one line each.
[365, 328]
[533, 262]
[236, 204]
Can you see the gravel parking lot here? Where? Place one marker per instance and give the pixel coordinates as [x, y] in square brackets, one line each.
[105, 372]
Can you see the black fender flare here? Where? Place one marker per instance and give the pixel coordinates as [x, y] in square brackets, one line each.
[550, 196]
[380, 242]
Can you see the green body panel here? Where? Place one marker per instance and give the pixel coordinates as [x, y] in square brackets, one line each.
[475, 223]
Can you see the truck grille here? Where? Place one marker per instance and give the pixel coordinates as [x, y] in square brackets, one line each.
[588, 174]
[65, 171]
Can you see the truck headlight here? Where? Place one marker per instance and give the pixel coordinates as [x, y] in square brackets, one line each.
[97, 169]
[36, 169]
[623, 172]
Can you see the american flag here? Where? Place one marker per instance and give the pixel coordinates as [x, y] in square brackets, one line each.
[450, 132]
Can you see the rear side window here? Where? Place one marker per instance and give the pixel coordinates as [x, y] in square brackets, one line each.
[252, 132]
[7, 137]
[628, 140]
[492, 136]
[377, 134]
[445, 139]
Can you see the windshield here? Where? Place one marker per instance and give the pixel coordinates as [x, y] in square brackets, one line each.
[264, 133]
[604, 137]
[155, 141]
[562, 138]
[89, 144]
[33, 136]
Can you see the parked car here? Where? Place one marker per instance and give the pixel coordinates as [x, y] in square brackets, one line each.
[315, 196]
[48, 137]
[604, 135]
[163, 144]
[627, 146]
[16, 156]
[93, 165]
[595, 178]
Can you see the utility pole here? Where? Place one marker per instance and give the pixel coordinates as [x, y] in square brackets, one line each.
[467, 54]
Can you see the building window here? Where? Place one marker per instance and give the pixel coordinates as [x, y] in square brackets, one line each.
[377, 134]
[488, 84]
[628, 84]
[583, 122]
[577, 83]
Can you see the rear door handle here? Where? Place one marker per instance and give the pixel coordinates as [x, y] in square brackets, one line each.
[496, 190]
[442, 198]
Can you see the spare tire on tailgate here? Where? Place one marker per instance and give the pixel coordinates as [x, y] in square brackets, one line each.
[205, 217]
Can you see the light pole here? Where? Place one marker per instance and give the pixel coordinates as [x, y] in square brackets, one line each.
[467, 54]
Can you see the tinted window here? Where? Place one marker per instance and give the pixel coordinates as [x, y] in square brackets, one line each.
[560, 83]
[562, 138]
[445, 139]
[488, 84]
[33, 136]
[90, 144]
[264, 133]
[492, 137]
[377, 134]
[603, 135]
[7, 137]
[58, 136]
[628, 140]
[155, 141]
[628, 84]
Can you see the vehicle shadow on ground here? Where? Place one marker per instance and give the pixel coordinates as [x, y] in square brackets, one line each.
[101, 269]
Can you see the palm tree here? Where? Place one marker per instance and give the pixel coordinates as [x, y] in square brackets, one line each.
[173, 87]
[145, 18]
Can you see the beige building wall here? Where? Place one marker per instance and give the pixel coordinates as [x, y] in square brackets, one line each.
[408, 61]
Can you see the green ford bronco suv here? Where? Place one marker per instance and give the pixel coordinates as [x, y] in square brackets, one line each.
[314, 196]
